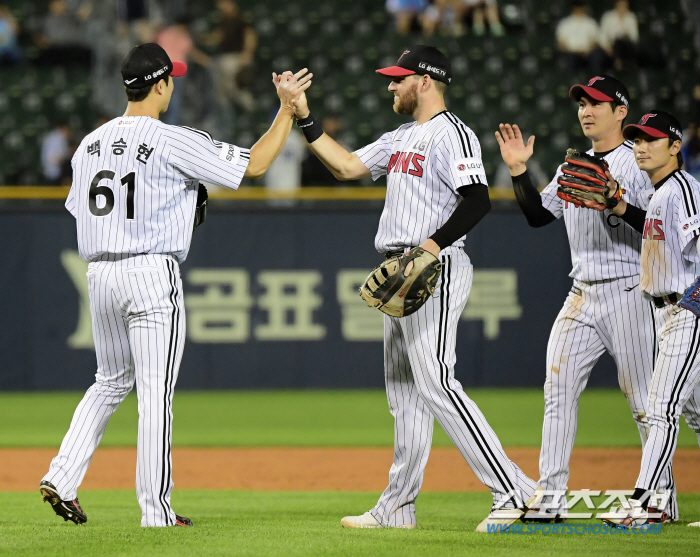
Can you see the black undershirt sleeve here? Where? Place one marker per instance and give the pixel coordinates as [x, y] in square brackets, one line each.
[474, 205]
[634, 216]
[530, 201]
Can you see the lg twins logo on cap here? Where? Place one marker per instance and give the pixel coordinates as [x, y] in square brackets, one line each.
[429, 68]
[156, 73]
[645, 118]
[592, 81]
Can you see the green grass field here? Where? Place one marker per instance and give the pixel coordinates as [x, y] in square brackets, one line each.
[313, 418]
[254, 523]
[269, 523]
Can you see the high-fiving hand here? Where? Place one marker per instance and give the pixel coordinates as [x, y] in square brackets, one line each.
[514, 150]
[301, 107]
[291, 86]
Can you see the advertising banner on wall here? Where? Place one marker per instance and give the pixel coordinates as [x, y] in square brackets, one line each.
[272, 302]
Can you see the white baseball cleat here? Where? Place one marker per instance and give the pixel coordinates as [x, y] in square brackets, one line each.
[367, 521]
[694, 524]
[535, 499]
[635, 515]
[539, 510]
[506, 517]
[499, 517]
[537, 515]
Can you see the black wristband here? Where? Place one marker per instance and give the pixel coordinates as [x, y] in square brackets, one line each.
[311, 127]
[612, 202]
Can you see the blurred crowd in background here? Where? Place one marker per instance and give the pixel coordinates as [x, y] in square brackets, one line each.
[60, 62]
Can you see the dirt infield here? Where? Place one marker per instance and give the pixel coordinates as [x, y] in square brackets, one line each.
[335, 469]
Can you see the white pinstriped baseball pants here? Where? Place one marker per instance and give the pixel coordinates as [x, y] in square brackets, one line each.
[597, 316]
[138, 323]
[675, 387]
[419, 359]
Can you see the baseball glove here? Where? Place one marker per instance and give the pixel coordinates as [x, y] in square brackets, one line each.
[584, 182]
[691, 298]
[200, 212]
[390, 289]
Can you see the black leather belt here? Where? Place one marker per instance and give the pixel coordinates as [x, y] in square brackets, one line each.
[661, 301]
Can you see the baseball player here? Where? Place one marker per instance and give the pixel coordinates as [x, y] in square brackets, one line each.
[670, 264]
[604, 310]
[135, 187]
[436, 193]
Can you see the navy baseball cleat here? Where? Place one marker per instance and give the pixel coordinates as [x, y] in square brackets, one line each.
[182, 521]
[69, 510]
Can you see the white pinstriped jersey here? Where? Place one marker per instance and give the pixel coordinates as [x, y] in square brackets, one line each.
[670, 259]
[135, 183]
[602, 245]
[425, 166]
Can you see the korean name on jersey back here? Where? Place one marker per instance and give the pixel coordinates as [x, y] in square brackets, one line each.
[135, 185]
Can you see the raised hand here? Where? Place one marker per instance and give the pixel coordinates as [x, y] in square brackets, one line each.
[514, 150]
[291, 86]
[301, 107]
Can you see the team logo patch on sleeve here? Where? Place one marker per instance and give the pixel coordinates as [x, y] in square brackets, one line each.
[468, 167]
[229, 153]
[690, 226]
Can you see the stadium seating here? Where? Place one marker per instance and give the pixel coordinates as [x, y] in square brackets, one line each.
[516, 78]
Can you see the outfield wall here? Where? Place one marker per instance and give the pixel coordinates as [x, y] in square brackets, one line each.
[271, 301]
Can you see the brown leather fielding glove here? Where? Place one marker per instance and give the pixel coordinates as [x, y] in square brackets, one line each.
[584, 182]
[389, 289]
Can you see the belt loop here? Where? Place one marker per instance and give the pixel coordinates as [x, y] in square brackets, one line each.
[662, 301]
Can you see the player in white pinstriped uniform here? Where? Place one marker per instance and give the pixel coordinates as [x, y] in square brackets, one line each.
[604, 310]
[436, 192]
[135, 187]
[670, 263]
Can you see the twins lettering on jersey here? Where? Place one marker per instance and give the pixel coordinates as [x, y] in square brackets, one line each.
[653, 230]
[406, 163]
